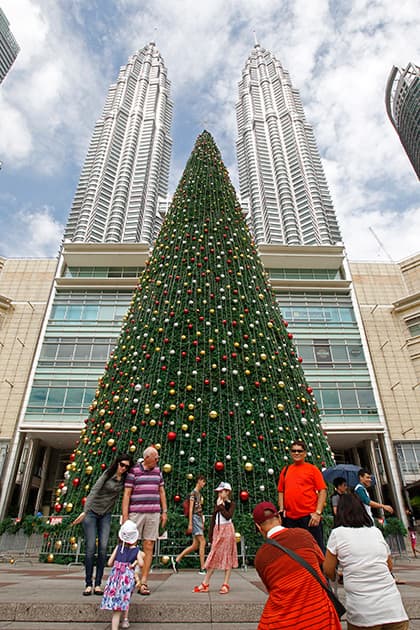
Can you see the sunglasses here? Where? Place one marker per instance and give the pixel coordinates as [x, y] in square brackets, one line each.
[294, 450]
[123, 465]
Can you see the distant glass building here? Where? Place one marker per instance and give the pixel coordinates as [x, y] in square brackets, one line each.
[402, 99]
[282, 182]
[9, 47]
[285, 196]
[126, 170]
[117, 211]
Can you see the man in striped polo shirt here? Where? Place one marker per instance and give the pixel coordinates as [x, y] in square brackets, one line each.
[143, 500]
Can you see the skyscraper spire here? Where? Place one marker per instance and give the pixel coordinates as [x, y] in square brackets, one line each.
[281, 178]
[127, 166]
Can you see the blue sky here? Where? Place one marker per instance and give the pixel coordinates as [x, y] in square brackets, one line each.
[339, 55]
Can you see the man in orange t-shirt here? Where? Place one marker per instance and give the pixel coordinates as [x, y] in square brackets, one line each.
[302, 494]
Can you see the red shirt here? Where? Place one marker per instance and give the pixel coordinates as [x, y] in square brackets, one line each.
[300, 484]
[296, 601]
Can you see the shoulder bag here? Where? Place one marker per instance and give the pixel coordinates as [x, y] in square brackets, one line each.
[334, 599]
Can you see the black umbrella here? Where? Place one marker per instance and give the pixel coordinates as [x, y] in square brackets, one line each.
[347, 471]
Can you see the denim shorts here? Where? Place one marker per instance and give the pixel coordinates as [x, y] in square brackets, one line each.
[197, 525]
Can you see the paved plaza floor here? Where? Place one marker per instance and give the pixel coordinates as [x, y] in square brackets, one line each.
[35, 596]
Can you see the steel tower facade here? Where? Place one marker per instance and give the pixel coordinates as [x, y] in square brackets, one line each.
[9, 47]
[282, 182]
[127, 165]
[402, 100]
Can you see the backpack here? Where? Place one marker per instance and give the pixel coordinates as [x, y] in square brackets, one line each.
[186, 507]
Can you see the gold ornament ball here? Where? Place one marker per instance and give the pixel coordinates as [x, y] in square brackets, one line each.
[152, 423]
[189, 476]
[132, 448]
[12, 561]
[191, 406]
[74, 546]
[69, 507]
[50, 557]
[172, 407]
[184, 427]
[213, 414]
[172, 392]
[116, 398]
[101, 412]
[188, 388]
[89, 470]
[111, 442]
[158, 446]
[72, 540]
[165, 559]
[263, 357]
[167, 468]
[249, 467]
[58, 544]
[190, 417]
[281, 384]
[238, 537]
[87, 487]
[280, 407]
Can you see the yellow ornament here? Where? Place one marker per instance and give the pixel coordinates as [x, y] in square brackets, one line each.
[132, 448]
[238, 537]
[58, 544]
[72, 540]
[184, 427]
[249, 467]
[116, 398]
[280, 407]
[69, 507]
[172, 392]
[12, 561]
[167, 468]
[158, 446]
[50, 557]
[101, 412]
[111, 442]
[213, 414]
[165, 559]
[89, 470]
[152, 422]
[133, 428]
[74, 546]
[189, 476]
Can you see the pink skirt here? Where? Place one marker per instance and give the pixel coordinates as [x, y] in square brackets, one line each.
[223, 554]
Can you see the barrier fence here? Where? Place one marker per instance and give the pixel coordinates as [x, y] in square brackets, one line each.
[66, 545]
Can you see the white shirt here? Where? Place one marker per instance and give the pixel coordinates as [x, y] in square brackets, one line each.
[372, 596]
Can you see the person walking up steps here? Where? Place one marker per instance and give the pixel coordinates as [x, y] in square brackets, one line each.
[223, 554]
[121, 581]
[195, 527]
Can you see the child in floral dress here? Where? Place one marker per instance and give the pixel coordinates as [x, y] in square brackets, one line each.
[121, 581]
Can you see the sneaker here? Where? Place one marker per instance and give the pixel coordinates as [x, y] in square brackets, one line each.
[175, 565]
[202, 572]
[125, 623]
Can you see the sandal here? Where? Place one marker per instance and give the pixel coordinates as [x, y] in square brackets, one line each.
[98, 591]
[201, 588]
[87, 591]
[224, 589]
[144, 589]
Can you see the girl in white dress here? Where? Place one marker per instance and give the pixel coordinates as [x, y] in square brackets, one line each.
[372, 597]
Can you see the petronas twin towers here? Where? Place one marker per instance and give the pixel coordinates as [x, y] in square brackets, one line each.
[125, 176]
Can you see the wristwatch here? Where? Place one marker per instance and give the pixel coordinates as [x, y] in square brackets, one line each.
[318, 512]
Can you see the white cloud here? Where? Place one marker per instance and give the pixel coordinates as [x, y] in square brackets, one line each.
[338, 54]
[30, 232]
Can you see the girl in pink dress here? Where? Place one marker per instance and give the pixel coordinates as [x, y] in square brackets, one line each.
[121, 581]
[223, 554]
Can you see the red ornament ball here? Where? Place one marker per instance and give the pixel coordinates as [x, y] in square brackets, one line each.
[76, 482]
[58, 507]
[83, 501]
[219, 466]
[171, 436]
[177, 498]
[244, 495]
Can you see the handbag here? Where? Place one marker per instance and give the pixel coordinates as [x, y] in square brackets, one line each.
[339, 607]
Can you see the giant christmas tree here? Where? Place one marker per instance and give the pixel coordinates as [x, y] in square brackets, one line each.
[205, 368]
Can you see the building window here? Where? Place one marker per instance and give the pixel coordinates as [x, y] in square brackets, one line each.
[61, 397]
[408, 454]
[413, 326]
[343, 354]
[345, 399]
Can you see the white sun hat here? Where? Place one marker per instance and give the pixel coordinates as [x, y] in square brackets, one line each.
[223, 485]
[128, 533]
